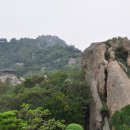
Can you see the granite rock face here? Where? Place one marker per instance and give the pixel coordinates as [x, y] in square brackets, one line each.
[105, 65]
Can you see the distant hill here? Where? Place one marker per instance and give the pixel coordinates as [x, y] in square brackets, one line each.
[44, 53]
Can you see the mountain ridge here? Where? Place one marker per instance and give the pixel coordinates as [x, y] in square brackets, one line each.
[43, 53]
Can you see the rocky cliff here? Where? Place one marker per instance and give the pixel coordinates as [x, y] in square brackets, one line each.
[107, 69]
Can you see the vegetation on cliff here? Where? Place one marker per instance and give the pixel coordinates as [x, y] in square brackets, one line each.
[121, 119]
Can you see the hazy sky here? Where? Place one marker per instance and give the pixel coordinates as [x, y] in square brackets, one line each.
[78, 22]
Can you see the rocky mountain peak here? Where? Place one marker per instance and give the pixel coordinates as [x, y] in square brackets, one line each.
[50, 41]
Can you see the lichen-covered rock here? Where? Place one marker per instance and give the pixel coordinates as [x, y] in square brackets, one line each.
[106, 65]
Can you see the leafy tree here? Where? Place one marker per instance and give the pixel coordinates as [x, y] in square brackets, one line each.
[9, 121]
[74, 127]
[121, 119]
[29, 119]
[38, 118]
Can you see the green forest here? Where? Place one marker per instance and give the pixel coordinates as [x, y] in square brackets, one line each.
[45, 53]
[45, 101]
[54, 94]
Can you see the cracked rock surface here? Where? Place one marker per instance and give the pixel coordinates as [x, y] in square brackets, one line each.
[105, 65]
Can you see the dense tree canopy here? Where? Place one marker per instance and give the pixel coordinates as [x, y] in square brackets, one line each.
[64, 93]
[29, 119]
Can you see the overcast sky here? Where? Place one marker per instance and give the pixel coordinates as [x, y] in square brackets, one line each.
[78, 22]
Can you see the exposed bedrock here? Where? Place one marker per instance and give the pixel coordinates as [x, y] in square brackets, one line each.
[106, 66]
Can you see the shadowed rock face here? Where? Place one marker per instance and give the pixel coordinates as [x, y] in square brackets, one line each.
[106, 65]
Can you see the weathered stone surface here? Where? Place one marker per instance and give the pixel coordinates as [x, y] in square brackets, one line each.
[106, 124]
[94, 66]
[109, 83]
[118, 87]
[72, 61]
[111, 54]
[11, 79]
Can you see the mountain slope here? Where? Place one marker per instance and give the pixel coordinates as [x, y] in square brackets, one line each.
[41, 54]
